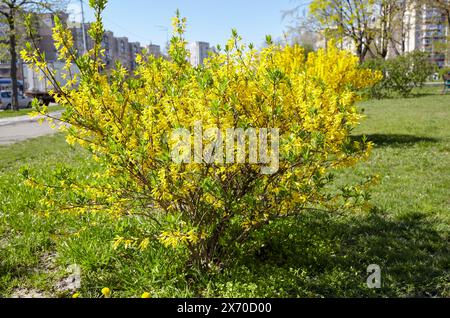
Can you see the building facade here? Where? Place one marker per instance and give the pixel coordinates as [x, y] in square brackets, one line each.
[135, 49]
[44, 25]
[117, 49]
[427, 32]
[45, 34]
[110, 45]
[154, 50]
[199, 52]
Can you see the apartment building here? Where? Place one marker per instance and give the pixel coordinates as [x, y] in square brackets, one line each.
[110, 45]
[44, 41]
[123, 52]
[427, 32]
[154, 50]
[78, 34]
[45, 34]
[199, 52]
[116, 48]
[135, 49]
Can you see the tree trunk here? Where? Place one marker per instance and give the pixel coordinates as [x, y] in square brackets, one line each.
[359, 52]
[13, 52]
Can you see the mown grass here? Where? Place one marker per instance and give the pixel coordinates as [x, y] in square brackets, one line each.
[313, 255]
[24, 112]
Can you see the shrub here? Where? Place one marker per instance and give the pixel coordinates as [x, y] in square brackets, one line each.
[401, 74]
[421, 68]
[444, 71]
[207, 208]
[380, 89]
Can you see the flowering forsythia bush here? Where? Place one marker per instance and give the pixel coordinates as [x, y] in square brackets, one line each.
[126, 120]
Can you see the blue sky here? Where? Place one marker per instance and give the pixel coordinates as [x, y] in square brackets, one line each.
[208, 20]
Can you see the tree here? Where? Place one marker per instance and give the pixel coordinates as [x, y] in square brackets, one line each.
[349, 19]
[400, 27]
[12, 12]
[389, 22]
[303, 30]
[372, 26]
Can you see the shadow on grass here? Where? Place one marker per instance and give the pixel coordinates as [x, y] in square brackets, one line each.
[427, 94]
[433, 90]
[385, 140]
[324, 255]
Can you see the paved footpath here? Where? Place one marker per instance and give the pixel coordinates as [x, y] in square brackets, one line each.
[22, 128]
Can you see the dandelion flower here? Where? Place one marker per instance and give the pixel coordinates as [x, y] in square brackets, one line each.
[106, 292]
[146, 295]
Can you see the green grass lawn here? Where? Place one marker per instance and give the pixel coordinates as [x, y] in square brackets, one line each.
[313, 255]
[24, 112]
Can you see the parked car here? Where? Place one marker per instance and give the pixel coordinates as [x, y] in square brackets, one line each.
[6, 100]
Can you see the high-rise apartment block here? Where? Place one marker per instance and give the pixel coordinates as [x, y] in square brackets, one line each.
[154, 50]
[427, 31]
[116, 48]
[199, 52]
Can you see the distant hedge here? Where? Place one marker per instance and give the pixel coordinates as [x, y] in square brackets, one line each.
[444, 71]
[401, 74]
